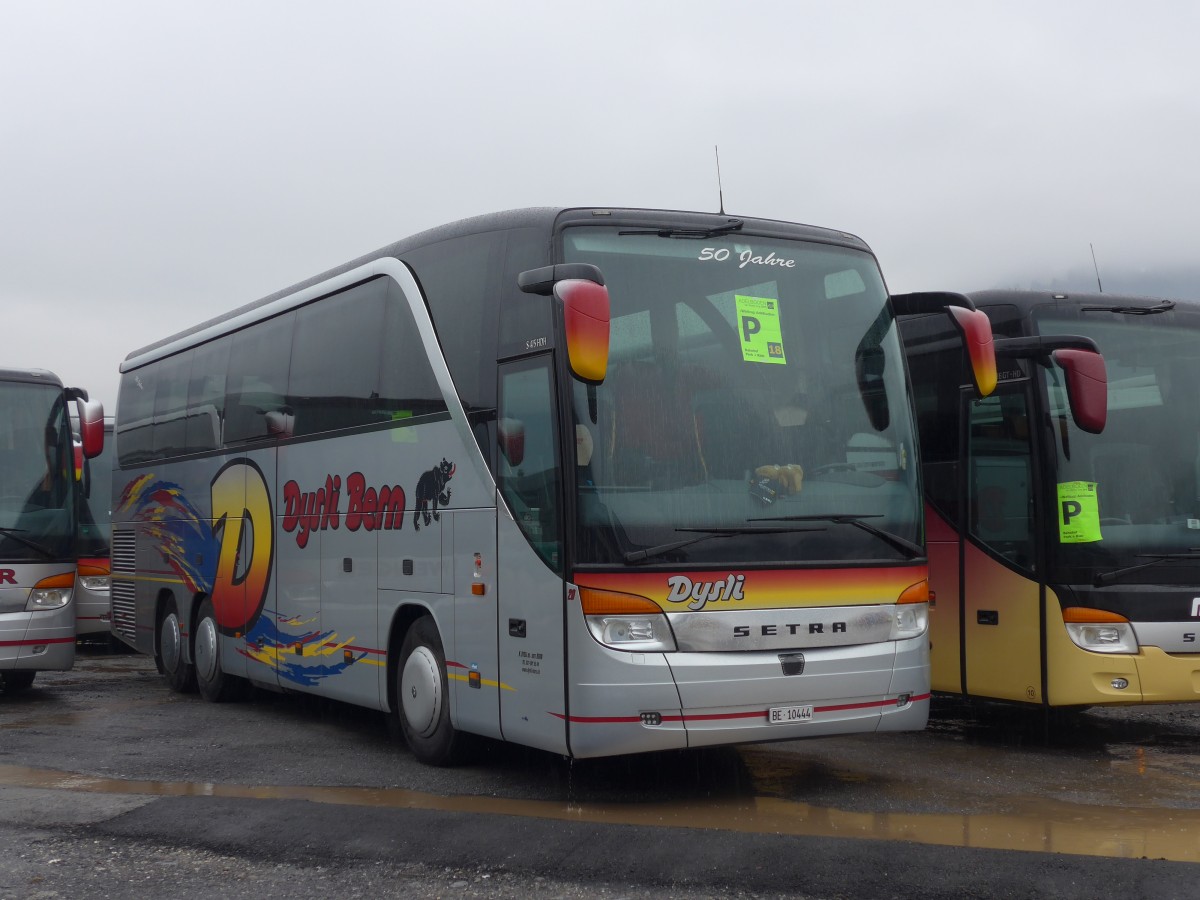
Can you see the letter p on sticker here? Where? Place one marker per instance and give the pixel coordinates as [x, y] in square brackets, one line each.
[750, 326]
[1070, 509]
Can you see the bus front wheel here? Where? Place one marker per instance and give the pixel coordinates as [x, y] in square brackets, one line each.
[17, 681]
[169, 656]
[423, 697]
[215, 684]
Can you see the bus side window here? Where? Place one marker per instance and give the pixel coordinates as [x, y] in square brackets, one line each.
[335, 360]
[206, 396]
[407, 386]
[529, 478]
[170, 405]
[1000, 484]
[264, 350]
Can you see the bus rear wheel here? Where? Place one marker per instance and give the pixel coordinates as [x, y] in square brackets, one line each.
[216, 685]
[423, 697]
[168, 654]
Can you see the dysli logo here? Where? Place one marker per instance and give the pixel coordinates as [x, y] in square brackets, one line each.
[702, 592]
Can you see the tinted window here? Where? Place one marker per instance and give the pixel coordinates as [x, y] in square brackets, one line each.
[459, 278]
[407, 386]
[1000, 484]
[336, 353]
[528, 467]
[937, 367]
[256, 386]
[135, 412]
[206, 395]
[170, 404]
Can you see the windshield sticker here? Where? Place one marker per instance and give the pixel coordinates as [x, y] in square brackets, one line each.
[758, 329]
[1078, 513]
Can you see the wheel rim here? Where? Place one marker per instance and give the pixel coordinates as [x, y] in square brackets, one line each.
[206, 649]
[421, 691]
[169, 643]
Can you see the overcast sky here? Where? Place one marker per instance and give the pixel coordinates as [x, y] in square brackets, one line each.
[163, 162]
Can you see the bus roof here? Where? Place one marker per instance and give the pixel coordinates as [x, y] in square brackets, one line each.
[1029, 300]
[31, 376]
[545, 218]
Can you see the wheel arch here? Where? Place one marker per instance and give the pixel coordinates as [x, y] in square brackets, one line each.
[403, 619]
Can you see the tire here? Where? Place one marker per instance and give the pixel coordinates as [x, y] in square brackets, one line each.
[17, 681]
[216, 686]
[423, 698]
[168, 652]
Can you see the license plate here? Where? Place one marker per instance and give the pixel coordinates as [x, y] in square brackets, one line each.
[785, 715]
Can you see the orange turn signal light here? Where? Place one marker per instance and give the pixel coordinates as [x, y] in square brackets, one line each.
[614, 603]
[1084, 614]
[916, 593]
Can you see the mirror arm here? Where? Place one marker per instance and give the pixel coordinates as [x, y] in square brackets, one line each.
[542, 280]
[1041, 348]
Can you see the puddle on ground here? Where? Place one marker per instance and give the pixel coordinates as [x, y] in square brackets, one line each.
[1047, 826]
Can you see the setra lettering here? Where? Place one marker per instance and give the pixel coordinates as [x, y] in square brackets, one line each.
[8, 576]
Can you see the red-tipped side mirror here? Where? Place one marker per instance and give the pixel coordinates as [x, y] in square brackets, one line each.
[1087, 387]
[91, 427]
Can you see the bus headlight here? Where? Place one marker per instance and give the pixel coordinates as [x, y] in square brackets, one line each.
[51, 593]
[641, 634]
[911, 620]
[911, 617]
[48, 598]
[1099, 631]
[95, 582]
[626, 621]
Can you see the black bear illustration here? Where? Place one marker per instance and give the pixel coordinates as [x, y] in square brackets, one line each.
[432, 492]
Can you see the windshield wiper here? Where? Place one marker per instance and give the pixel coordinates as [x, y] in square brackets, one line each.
[635, 556]
[14, 534]
[1109, 577]
[1165, 306]
[692, 233]
[904, 545]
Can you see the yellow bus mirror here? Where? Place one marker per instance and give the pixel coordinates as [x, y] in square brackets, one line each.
[91, 427]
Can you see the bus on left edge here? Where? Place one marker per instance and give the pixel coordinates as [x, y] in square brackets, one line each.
[38, 520]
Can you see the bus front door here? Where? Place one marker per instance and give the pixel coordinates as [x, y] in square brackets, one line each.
[1002, 597]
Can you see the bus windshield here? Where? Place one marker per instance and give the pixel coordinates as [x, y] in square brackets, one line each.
[36, 474]
[1144, 469]
[754, 409]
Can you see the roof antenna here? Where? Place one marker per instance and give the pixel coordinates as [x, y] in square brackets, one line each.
[720, 192]
[1099, 286]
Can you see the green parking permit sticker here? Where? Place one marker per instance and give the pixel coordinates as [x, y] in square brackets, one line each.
[403, 435]
[758, 329]
[1078, 513]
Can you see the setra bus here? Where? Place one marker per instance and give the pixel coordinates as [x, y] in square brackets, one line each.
[1064, 530]
[38, 520]
[596, 481]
